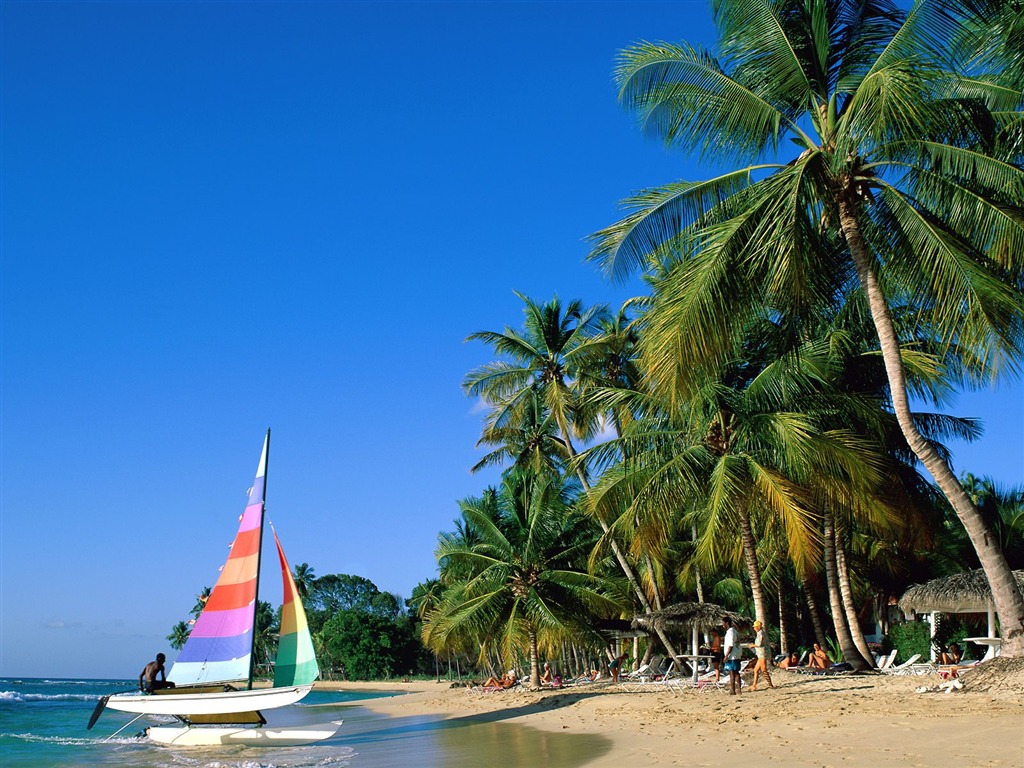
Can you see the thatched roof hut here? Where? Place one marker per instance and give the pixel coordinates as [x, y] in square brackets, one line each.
[703, 616]
[966, 592]
[696, 617]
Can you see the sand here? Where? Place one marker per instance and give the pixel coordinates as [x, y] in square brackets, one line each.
[851, 720]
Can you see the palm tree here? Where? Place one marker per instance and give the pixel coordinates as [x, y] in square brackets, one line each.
[533, 441]
[547, 360]
[906, 181]
[304, 577]
[201, 599]
[524, 581]
[179, 635]
[747, 451]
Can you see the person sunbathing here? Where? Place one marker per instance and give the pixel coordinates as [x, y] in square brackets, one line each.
[818, 658]
[789, 662]
[951, 655]
[546, 677]
[587, 678]
[507, 680]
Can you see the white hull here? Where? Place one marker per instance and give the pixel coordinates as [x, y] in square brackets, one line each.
[219, 703]
[255, 736]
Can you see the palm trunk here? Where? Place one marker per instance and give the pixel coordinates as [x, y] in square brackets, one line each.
[753, 568]
[846, 592]
[1006, 596]
[534, 660]
[620, 556]
[696, 570]
[812, 609]
[851, 655]
[783, 642]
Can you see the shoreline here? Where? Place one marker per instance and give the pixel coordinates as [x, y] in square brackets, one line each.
[848, 720]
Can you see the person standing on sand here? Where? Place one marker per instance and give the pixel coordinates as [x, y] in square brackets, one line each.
[760, 646]
[615, 666]
[716, 653]
[732, 651]
[148, 677]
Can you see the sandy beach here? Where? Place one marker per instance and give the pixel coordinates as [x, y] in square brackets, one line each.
[851, 720]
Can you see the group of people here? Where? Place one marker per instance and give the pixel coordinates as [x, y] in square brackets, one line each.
[732, 656]
[816, 659]
[726, 653]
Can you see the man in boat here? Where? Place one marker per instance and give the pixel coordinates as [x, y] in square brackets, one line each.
[148, 681]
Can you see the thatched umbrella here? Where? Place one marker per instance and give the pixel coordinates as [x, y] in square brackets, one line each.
[692, 616]
[967, 592]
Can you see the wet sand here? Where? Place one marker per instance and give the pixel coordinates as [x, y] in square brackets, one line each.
[852, 720]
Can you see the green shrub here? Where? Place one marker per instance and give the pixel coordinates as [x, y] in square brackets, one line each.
[909, 638]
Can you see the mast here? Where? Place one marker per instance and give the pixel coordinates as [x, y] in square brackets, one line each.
[259, 563]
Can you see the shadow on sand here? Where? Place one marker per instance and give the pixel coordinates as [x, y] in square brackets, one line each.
[472, 740]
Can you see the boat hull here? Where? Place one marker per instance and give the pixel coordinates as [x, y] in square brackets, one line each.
[259, 736]
[220, 703]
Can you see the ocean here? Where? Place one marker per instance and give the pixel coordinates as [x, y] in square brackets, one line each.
[43, 723]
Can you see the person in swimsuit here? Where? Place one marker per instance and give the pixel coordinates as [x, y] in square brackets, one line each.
[818, 658]
[760, 646]
[148, 681]
[615, 666]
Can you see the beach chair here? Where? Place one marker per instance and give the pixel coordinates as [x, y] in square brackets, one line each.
[646, 671]
[654, 678]
[886, 661]
[704, 682]
[905, 668]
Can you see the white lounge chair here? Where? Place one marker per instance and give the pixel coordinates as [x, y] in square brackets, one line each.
[906, 668]
[886, 661]
[650, 669]
[654, 677]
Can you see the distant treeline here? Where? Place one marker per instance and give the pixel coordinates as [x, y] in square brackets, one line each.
[359, 632]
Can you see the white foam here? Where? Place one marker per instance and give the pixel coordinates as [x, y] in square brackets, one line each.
[17, 696]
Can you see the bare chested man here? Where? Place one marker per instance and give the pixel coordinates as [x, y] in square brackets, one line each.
[148, 681]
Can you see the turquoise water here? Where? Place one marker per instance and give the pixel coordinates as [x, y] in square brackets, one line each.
[43, 723]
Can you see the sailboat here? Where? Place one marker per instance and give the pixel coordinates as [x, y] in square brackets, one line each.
[213, 700]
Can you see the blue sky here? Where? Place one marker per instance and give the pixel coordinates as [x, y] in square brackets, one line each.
[223, 217]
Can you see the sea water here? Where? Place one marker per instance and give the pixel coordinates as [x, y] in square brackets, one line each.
[43, 723]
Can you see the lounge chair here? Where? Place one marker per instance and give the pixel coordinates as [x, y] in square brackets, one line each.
[654, 678]
[646, 671]
[907, 667]
[704, 682]
[886, 661]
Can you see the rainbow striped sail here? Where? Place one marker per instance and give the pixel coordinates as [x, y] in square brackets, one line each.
[296, 661]
[219, 649]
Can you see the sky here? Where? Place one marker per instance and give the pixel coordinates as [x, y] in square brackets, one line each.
[218, 218]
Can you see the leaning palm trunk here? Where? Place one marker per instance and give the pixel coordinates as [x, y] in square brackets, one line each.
[1009, 603]
[846, 592]
[783, 642]
[851, 654]
[812, 609]
[753, 567]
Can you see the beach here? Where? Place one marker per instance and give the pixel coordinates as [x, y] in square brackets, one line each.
[847, 720]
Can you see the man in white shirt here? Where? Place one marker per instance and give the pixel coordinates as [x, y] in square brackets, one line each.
[732, 650]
